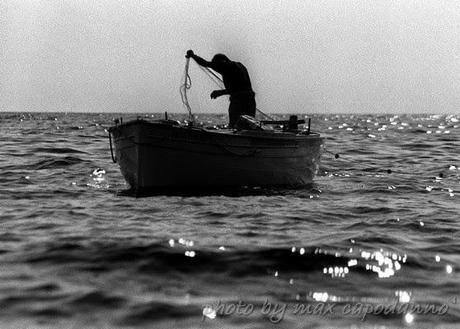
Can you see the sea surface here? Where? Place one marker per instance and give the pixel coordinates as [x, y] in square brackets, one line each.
[373, 243]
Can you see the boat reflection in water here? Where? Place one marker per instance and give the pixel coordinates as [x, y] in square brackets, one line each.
[168, 155]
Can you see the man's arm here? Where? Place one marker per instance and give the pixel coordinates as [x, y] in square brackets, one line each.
[202, 61]
[218, 67]
[218, 93]
[198, 59]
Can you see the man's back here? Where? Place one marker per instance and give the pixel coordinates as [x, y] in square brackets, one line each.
[235, 77]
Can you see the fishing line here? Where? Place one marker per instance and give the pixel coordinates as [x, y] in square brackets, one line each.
[337, 156]
[213, 76]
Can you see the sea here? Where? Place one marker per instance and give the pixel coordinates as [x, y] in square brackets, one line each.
[374, 242]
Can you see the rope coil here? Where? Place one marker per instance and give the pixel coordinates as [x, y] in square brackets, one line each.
[183, 91]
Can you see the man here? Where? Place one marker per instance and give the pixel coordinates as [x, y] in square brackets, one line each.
[237, 85]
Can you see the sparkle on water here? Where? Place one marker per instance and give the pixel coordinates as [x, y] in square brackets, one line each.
[379, 225]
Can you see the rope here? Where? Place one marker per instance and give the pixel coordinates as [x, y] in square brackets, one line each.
[183, 91]
[213, 76]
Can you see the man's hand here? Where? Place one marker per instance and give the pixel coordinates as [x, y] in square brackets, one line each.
[217, 93]
[189, 54]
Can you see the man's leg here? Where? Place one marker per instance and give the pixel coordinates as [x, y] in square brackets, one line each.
[234, 112]
[251, 107]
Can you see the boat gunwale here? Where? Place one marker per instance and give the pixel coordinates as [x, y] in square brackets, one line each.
[268, 135]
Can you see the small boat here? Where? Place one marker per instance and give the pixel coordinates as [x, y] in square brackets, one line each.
[167, 154]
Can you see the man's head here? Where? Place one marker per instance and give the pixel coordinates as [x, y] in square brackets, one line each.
[220, 58]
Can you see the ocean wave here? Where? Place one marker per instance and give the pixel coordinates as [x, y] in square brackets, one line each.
[56, 162]
[155, 311]
[56, 150]
[161, 259]
[380, 223]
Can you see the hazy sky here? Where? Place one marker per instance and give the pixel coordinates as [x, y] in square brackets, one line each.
[303, 56]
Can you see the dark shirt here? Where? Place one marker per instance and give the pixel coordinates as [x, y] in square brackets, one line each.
[235, 76]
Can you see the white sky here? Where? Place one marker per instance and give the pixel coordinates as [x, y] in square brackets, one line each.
[303, 56]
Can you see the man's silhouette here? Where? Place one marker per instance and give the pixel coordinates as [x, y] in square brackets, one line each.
[237, 85]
